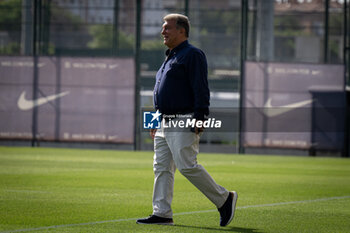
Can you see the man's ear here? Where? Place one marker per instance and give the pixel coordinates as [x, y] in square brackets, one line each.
[183, 31]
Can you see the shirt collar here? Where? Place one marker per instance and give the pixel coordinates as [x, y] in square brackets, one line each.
[177, 48]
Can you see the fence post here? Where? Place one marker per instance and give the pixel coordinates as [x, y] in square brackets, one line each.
[35, 74]
[137, 132]
[244, 31]
[326, 31]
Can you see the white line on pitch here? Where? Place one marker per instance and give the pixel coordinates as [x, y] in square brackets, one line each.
[177, 214]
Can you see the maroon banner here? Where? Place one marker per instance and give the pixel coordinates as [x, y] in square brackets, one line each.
[79, 99]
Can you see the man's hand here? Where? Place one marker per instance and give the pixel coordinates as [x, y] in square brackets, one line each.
[152, 133]
[198, 130]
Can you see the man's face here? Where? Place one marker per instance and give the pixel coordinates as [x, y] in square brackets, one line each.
[172, 35]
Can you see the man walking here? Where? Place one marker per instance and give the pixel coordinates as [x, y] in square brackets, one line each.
[182, 88]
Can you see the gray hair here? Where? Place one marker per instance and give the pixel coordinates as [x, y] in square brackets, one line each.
[181, 22]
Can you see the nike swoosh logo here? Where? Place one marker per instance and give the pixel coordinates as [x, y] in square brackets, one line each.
[25, 104]
[113, 66]
[272, 111]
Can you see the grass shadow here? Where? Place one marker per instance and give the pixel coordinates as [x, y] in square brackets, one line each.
[227, 229]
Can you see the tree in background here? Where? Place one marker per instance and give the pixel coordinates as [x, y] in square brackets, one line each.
[102, 38]
[10, 26]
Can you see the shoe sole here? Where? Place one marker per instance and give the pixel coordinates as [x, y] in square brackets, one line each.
[169, 224]
[234, 201]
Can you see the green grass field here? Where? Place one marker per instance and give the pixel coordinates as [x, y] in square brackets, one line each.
[73, 190]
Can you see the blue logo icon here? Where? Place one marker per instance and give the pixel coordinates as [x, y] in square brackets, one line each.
[151, 120]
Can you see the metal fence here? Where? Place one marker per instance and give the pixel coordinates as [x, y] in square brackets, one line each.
[228, 31]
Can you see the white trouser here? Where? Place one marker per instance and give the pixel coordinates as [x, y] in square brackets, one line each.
[178, 149]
